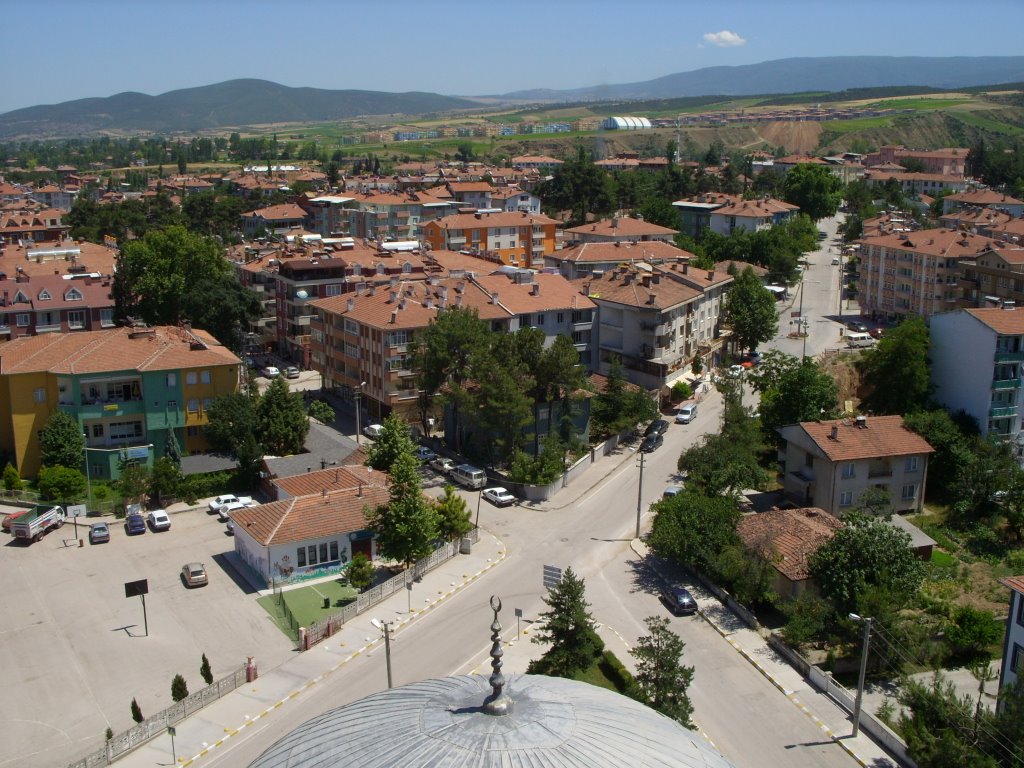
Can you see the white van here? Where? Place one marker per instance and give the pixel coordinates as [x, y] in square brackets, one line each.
[854, 339]
[686, 413]
[469, 476]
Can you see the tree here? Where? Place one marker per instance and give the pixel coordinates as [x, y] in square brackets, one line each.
[952, 439]
[814, 188]
[875, 501]
[61, 441]
[407, 526]
[661, 679]
[865, 552]
[721, 464]
[12, 480]
[164, 479]
[179, 688]
[281, 416]
[973, 632]
[133, 483]
[750, 311]
[452, 515]
[692, 529]
[221, 305]
[205, 671]
[569, 629]
[321, 411]
[749, 574]
[136, 711]
[897, 370]
[155, 274]
[61, 484]
[578, 186]
[981, 482]
[803, 393]
[394, 441]
[230, 418]
[360, 572]
[621, 406]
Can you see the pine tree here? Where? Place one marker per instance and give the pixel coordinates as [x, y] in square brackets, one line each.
[205, 671]
[569, 628]
[360, 572]
[405, 527]
[137, 712]
[282, 419]
[453, 515]
[661, 680]
[179, 688]
[61, 442]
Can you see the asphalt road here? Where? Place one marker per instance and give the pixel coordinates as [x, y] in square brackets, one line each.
[747, 719]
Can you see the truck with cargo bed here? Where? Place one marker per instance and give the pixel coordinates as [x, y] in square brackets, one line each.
[34, 524]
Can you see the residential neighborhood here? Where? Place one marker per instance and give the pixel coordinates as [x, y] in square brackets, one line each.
[314, 395]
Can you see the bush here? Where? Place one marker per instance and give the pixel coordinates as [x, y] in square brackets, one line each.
[321, 411]
[617, 674]
[681, 391]
[12, 480]
[195, 487]
[179, 688]
[60, 484]
[972, 632]
[360, 572]
[807, 617]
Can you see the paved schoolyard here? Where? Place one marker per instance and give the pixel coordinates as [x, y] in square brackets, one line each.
[75, 650]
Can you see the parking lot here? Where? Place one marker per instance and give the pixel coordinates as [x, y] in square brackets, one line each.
[76, 651]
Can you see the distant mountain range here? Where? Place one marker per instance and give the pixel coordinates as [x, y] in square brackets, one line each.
[827, 73]
[238, 103]
[232, 103]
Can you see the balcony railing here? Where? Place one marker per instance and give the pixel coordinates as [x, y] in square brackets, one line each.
[1003, 412]
[1009, 357]
[1000, 384]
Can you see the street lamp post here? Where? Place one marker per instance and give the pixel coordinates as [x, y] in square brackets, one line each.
[479, 495]
[863, 669]
[385, 628]
[639, 495]
[358, 396]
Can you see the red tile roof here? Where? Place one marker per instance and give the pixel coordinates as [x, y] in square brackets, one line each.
[879, 436]
[1009, 322]
[1016, 583]
[622, 227]
[944, 243]
[787, 538]
[332, 479]
[651, 251]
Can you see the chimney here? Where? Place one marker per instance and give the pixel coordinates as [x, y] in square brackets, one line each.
[651, 298]
[862, 422]
[685, 267]
[711, 274]
[646, 280]
[494, 297]
[393, 296]
[535, 290]
[350, 305]
[586, 291]
[835, 432]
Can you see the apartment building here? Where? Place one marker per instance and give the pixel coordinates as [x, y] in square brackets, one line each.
[518, 239]
[130, 389]
[951, 161]
[594, 258]
[361, 342]
[983, 198]
[977, 361]
[386, 215]
[1012, 668]
[54, 304]
[725, 214]
[656, 319]
[830, 464]
[274, 218]
[993, 277]
[915, 273]
[915, 184]
[620, 229]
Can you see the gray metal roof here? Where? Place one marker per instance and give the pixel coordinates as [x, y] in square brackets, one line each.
[555, 723]
[323, 443]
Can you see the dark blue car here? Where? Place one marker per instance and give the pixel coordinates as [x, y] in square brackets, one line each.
[134, 524]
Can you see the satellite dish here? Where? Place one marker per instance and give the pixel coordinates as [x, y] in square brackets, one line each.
[301, 295]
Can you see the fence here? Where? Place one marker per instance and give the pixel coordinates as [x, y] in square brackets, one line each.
[327, 627]
[123, 743]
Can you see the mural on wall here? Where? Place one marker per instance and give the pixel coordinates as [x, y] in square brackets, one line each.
[284, 567]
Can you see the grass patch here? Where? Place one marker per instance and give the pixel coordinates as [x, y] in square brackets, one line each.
[988, 124]
[859, 124]
[923, 103]
[942, 559]
[607, 671]
[307, 603]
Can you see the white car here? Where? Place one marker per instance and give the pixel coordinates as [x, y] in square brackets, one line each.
[499, 497]
[271, 372]
[424, 454]
[159, 521]
[443, 465]
[373, 430]
[222, 501]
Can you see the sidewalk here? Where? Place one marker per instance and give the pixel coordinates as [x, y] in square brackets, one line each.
[210, 728]
[830, 717]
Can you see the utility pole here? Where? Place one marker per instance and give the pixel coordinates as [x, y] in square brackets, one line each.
[863, 669]
[385, 628]
[639, 495]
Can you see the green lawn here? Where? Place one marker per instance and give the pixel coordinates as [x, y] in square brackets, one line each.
[595, 676]
[924, 103]
[988, 124]
[307, 603]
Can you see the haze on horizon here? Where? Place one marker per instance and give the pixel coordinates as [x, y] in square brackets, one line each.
[80, 50]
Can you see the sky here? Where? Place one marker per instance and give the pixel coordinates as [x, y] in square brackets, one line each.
[76, 49]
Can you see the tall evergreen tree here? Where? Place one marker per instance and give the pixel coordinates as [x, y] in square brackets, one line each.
[407, 526]
[661, 679]
[897, 370]
[569, 628]
[282, 420]
[62, 442]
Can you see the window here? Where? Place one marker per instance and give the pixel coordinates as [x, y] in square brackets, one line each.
[1020, 609]
[351, 326]
[334, 551]
[97, 430]
[300, 557]
[845, 498]
[332, 290]
[808, 460]
[76, 318]
[909, 492]
[44, 295]
[1017, 659]
[72, 294]
[193, 405]
[207, 402]
[172, 403]
[910, 465]
[204, 377]
[125, 430]
[39, 395]
[190, 377]
[323, 552]
[560, 317]
[849, 471]
[540, 319]
[106, 317]
[21, 320]
[311, 554]
[172, 379]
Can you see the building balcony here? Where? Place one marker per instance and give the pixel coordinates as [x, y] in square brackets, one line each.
[48, 328]
[1009, 357]
[1003, 412]
[1003, 384]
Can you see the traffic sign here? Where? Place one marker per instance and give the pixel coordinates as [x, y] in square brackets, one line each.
[552, 575]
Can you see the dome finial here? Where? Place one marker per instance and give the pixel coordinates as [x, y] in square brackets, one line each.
[498, 703]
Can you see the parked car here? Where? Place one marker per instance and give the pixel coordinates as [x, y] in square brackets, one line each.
[373, 431]
[877, 333]
[291, 372]
[443, 465]
[99, 533]
[424, 454]
[499, 497]
[686, 413]
[856, 326]
[652, 443]
[194, 575]
[679, 601]
[11, 518]
[835, 261]
[672, 490]
[134, 524]
[736, 370]
[656, 427]
[159, 521]
[228, 499]
[270, 372]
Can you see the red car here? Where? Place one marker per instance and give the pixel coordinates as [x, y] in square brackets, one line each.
[6, 525]
[876, 333]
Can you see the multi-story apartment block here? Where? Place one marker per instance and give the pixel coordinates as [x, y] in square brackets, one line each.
[394, 216]
[1012, 669]
[28, 225]
[977, 361]
[362, 341]
[725, 214]
[515, 200]
[830, 464]
[536, 162]
[130, 389]
[916, 183]
[519, 239]
[620, 229]
[983, 198]
[993, 277]
[951, 161]
[55, 304]
[272, 219]
[656, 319]
[915, 273]
[582, 259]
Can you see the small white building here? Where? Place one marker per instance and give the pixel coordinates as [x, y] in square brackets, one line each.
[1013, 645]
[626, 124]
